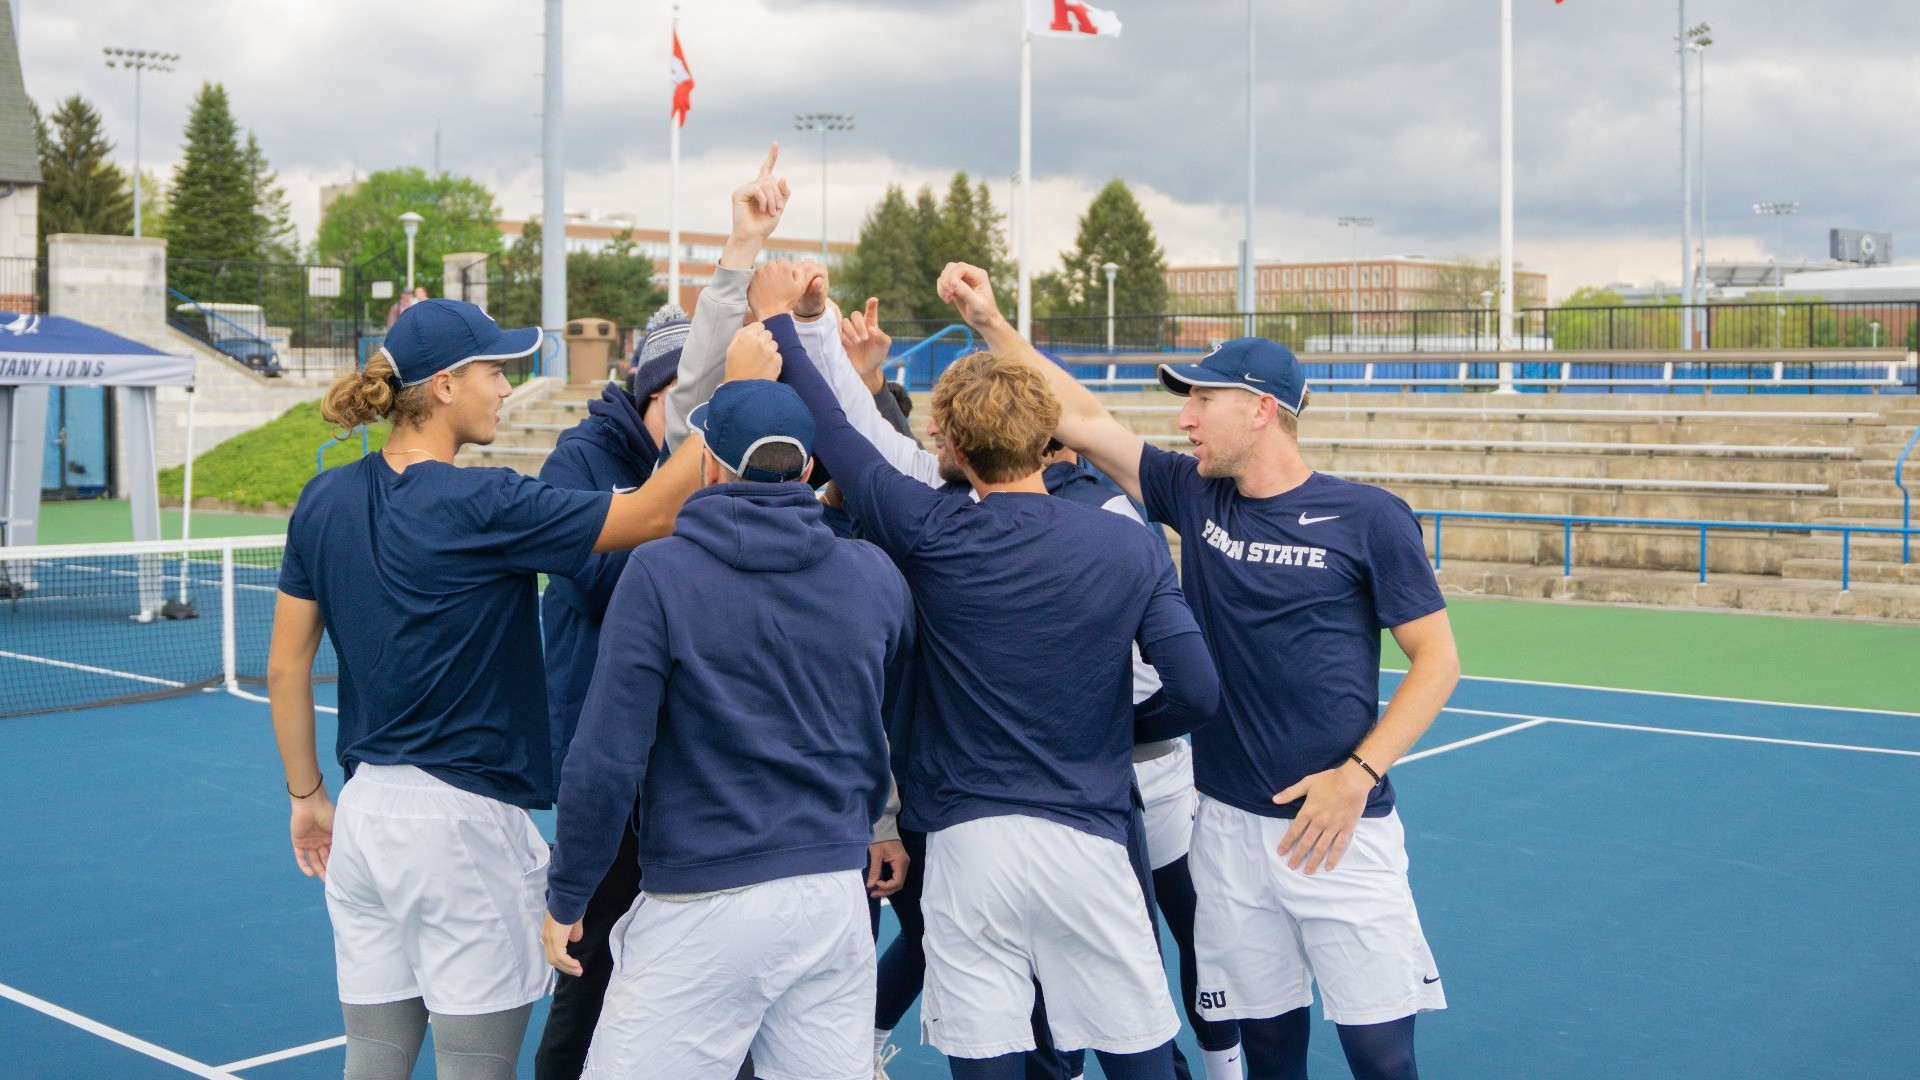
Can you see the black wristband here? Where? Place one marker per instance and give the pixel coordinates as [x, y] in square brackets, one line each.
[320, 783]
[1357, 760]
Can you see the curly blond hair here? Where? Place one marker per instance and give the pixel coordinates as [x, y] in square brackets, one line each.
[365, 395]
[998, 412]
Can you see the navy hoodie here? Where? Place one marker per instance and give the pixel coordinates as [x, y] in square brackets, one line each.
[608, 451]
[751, 757]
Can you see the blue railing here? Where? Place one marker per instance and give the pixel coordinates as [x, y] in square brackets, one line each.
[1568, 521]
[320, 455]
[923, 349]
[1906, 499]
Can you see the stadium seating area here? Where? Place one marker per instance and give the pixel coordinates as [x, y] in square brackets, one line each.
[1817, 459]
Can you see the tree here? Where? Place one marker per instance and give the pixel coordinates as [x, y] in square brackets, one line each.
[82, 191]
[1114, 229]
[212, 207]
[362, 228]
[1461, 284]
[615, 283]
[273, 237]
[1593, 296]
[888, 261]
[966, 229]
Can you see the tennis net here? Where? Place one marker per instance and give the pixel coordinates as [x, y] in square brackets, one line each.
[100, 624]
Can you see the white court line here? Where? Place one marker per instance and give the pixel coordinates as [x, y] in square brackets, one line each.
[239, 693]
[1672, 694]
[89, 668]
[283, 1055]
[1533, 720]
[113, 1035]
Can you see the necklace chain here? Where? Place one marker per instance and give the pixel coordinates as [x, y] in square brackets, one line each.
[412, 450]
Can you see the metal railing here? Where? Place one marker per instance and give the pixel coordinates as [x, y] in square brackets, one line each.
[320, 455]
[23, 280]
[1568, 521]
[1906, 498]
[922, 351]
[312, 313]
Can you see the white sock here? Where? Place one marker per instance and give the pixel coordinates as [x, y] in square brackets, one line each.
[881, 1035]
[1224, 1064]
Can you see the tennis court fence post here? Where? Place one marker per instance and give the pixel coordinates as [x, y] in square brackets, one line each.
[1566, 549]
[1703, 554]
[229, 663]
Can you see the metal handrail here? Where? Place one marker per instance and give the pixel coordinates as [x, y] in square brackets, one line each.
[1568, 521]
[320, 455]
[925, 344]
[1906, 498]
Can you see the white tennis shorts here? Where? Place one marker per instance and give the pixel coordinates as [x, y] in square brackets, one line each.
[435, 893]
[785, 968]
[1264, 933]
[1012, 899]
[1166, 789]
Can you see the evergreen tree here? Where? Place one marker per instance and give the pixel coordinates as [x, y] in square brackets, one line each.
[968, 230]
[212, 212]
[273, 238]
[888, 261]
[1114, 229]
[82, 191]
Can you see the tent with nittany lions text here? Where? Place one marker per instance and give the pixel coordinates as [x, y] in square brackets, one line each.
[42, 351]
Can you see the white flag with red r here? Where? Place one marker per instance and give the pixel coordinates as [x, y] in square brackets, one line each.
[1071, 18]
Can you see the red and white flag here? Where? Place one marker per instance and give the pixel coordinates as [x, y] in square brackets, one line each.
[1071, 18]
[682, 82]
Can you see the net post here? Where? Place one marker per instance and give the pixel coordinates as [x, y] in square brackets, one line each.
[229, 662]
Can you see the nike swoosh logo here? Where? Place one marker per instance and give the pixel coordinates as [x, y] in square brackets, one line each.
[1431, 981]
[618, 490]
[1305, 520]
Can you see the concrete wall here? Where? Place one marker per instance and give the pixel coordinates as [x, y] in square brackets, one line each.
[20, 222]
[119, 283]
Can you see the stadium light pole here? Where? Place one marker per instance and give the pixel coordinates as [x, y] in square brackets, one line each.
[1355, 224]
[410, 224]
[1110, 269]
[1698, 39]
[1779, 212]
[1248, 298]
[553, 194]
[1686, 188]
[825, 123]
[140, 61]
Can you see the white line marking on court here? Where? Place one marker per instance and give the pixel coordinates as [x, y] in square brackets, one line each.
[1536, 722]
[1672, 694]
[1656, 731]
[95, 1027]
[283, 1055]
[89, 668]
[239, 693]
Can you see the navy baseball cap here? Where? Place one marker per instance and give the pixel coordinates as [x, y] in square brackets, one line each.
[439, 335]
[1249, 363]
[743, 416]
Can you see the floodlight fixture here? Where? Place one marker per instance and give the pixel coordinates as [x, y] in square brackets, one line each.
[139, 61]
[825, 123]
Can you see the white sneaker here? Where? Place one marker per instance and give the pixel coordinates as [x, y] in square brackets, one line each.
[887, 1053]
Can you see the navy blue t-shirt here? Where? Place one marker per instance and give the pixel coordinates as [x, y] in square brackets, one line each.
[1292, 592]
[426, 582]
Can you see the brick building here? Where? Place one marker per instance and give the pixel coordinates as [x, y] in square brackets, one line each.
[1396, 283]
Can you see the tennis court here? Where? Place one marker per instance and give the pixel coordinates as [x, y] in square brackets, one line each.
[1616, 883]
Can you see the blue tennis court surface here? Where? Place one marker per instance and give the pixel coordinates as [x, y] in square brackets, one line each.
[1615, 884]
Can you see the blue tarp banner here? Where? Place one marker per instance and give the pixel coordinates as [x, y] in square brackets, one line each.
[51, 350]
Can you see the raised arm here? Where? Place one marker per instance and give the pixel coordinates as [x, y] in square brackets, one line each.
[757, 206]
[825, 337]
[1086, 426]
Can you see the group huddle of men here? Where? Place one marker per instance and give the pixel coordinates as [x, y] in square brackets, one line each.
[989, 640]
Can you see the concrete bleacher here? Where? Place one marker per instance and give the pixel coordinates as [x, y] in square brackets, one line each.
[1814, 459]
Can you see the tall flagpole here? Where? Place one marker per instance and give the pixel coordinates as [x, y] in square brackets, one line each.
[1506, 193]
[1686, 192]
[673, 190]
[1249, 297]
[553, 213]
[1026, 175]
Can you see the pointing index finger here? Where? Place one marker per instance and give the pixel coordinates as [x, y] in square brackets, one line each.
[773, 155]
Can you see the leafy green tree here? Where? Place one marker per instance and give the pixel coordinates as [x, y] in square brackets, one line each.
[888, 261]
[82, 191]
[1114, 229]
[212, 209]
[362, 228]
[1593, 296]
[613, 283]
[967, 229]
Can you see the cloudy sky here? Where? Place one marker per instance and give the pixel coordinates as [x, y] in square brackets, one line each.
[1384, 108]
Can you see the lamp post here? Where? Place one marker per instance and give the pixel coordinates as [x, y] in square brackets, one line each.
[139, 60]
[1110, 269]
[410, 224]
[1698, 39]
[1486, 304]
[1778, 211]
[1355, 224]
[823, 123]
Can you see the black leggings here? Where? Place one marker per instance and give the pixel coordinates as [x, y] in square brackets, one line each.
[1276, 1048]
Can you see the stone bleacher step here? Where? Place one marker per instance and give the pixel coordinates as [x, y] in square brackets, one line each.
[1679, 588]
[1859, 570]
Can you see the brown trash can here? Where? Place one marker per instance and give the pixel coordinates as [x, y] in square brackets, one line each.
[590, 345]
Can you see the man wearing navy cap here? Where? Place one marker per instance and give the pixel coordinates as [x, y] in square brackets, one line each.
[1298, 856]
[615, 448]
[759, 767]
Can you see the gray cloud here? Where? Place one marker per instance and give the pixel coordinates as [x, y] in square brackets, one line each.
[1375, 107]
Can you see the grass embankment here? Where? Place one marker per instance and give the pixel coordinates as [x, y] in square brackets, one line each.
[271, 463]
[107, 521]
